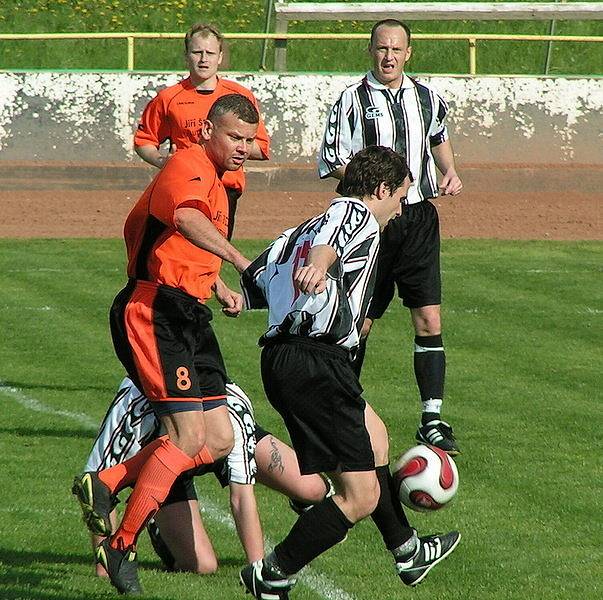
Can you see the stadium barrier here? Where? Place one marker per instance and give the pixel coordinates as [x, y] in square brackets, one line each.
[91, 117]
[280, 65]
[430, 11]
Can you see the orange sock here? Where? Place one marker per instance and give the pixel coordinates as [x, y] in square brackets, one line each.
[152, 487]
[122, 475]
[203, 458]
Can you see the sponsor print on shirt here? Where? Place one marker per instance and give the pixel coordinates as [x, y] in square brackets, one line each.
[373, 112]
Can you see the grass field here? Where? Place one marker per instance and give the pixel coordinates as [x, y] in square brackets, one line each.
[26, 16]
[523, 333]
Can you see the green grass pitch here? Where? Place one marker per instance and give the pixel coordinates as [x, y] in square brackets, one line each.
[522, 331]
[494, 57]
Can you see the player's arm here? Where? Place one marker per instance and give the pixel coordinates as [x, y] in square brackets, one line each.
[231, 301]
[152, 155]
[256, 152]
[247, 520]
[336, 148]
[311, 278]
[444, 159]
[260, 150]
[152, 131]
[338, 173]
[199, 230]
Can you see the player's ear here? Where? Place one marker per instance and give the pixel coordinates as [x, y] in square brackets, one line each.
[207, 129]
[408, 54]
[220, 58]
[382, 190]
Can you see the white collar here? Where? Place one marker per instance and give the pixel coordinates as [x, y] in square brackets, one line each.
[373, 82]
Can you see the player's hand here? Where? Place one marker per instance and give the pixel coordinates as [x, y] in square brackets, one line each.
[366, 327]
[231, 301]
[451, 184]
[163, 158]
[310, 279]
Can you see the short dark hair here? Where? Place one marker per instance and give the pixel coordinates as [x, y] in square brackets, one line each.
[390, 23]
[205, 30]
[371, 167]
[241, 106]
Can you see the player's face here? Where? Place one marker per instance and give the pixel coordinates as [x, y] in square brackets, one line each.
[391, 203]
[203, 58]
[390, 52]
[228, 141]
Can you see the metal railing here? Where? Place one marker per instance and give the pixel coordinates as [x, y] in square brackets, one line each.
[470, 38]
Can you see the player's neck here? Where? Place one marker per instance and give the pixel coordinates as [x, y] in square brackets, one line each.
[206, 85]
[394, 85]
[219, 170]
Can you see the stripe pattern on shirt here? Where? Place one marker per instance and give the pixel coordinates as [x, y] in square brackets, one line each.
[130, 423]
[410, 120]
[335, 315]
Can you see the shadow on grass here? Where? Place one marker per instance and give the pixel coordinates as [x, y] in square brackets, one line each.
[29, 575]
[23, 558]
[78, 433]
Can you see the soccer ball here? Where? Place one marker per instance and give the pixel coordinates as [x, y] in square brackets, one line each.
[426, 478]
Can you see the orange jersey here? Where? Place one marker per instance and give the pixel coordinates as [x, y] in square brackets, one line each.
[177, 112]
[156, 251]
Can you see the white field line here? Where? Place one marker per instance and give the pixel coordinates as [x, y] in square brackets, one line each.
[315, 581]
[35, 405]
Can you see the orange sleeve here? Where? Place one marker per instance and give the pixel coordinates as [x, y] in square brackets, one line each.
[153, 128]
[261, 137]
[191, 193]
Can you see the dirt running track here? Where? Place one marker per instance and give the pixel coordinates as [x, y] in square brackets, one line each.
[556, 202]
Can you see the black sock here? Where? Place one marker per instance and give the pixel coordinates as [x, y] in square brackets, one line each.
[359, 359]
[313, 533]
[389, 516]
[430, 369]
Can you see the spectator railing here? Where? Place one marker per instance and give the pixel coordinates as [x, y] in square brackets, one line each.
[427, 11]
[470, 38]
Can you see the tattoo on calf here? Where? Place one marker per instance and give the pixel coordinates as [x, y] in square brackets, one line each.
[276, 460]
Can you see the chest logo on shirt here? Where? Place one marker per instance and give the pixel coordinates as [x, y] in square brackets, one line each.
[373, 112]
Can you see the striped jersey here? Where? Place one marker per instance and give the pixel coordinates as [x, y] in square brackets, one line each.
[336, 315]
[130, 424]
[409, 120]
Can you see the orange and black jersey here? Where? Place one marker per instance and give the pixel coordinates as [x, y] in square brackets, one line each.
[177, 112]
[157, 252]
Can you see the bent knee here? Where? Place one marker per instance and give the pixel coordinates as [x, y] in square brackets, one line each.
[359, 508]
[200, 566]
[190, 443]
[369, 503]
[427, 321]
[220, 444]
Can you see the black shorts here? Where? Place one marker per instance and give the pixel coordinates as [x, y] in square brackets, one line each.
[260, 433]
[409, 258]
[164, 339]
[313, 387]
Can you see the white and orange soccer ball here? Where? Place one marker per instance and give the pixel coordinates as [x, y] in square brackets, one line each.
[426, 478]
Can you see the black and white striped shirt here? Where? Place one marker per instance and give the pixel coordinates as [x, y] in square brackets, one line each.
[130, 423]
[336, 315]
[409, 120]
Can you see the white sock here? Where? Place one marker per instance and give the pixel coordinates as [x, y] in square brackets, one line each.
[433, 405]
